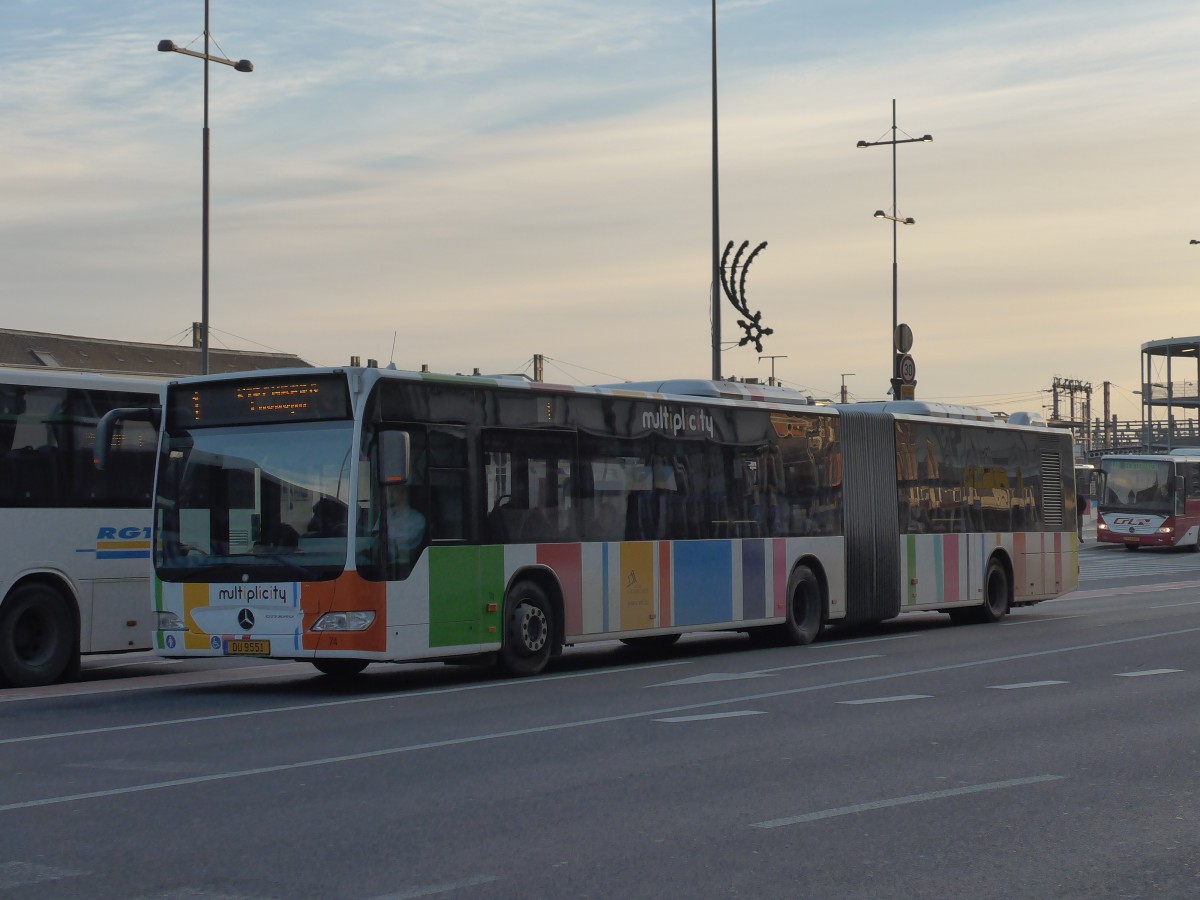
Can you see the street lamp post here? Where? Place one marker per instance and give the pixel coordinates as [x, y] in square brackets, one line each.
[716, 217]
[896, 221]
[241, 65]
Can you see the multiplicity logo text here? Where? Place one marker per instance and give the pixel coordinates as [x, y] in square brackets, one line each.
[678, 421]
[253, 593]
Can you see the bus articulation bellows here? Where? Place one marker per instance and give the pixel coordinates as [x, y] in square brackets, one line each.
[350, 516]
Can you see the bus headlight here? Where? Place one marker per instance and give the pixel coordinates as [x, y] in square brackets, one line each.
[359, 620]
[1166, 529]
[168, 621]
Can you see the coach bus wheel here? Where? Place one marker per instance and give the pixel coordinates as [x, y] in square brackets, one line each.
[528, 630]
[340, 668]
[37, 637]
[995, 593]
[804, 611]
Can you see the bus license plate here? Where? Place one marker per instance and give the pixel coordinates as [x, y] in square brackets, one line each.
[247, 648]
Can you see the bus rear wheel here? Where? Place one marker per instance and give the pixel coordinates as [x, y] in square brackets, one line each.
[528, 630]
[37, 637]
[340, 668]
[996, 599]
[804, 610]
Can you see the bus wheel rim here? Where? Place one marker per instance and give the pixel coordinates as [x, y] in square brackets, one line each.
[534, 627]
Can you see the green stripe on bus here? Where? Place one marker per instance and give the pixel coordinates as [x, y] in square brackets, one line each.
[462, 582]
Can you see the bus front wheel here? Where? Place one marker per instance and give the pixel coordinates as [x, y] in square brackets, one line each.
[340, 668]
[528, 630]
[37, 637]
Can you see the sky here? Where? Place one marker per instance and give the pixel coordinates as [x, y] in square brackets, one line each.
[464, 184]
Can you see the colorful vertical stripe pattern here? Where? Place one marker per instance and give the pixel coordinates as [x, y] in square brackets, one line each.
[940, 569]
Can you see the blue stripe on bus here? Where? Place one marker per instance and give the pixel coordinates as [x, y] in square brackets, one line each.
[122, 554]
[703, 582]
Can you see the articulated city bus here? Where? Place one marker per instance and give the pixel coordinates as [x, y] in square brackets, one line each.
[1150, 500]
[75, 560]
[351, 516]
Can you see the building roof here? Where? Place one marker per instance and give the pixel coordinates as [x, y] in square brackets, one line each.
[39, 350]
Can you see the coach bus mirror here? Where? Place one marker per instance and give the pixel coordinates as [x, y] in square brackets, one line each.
[108, 423]
[393, 457]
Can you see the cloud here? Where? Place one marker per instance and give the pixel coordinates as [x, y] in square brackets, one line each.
[496, 180]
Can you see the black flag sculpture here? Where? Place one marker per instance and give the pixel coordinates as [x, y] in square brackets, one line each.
[736, 293]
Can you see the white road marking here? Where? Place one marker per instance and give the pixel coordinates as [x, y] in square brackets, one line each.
[1122, 591]
[704, 717]
[712, 677]
[434, 889]
[904, 801]
[1039, 621]
[756, 673]
[564, 726]
[1147, 672]
[345, 701]
[1023, 684]
[894, 699]
[824, 662]
[17, 874]
[1174, 605]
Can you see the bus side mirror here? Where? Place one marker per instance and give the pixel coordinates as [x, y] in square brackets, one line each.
[108, 423]
[393, 457]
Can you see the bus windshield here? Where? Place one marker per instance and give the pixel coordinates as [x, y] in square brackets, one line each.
[1137, 485]
[269, 501]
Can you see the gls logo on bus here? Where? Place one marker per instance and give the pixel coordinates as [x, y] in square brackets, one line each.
[129, 542]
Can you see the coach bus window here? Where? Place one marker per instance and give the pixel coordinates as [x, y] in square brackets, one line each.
[128, 478]
[529, 487]
[33, 474]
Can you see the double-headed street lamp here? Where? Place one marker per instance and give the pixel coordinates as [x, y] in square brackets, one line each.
[241, 65]
[896, 352]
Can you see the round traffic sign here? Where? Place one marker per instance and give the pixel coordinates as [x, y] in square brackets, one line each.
[903, 338]
[908, 369]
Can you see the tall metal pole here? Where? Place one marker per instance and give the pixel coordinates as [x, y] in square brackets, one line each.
[716, 217]
[895, 265]
[204, 218]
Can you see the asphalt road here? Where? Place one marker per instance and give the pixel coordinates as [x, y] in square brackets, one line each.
[1053, 755]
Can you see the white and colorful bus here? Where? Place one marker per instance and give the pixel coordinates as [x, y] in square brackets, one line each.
[75, 561]
[352, 516]
[1148, 500]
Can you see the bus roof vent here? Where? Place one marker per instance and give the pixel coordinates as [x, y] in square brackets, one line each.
[1027, 418]
[728, 390]
[925, 408]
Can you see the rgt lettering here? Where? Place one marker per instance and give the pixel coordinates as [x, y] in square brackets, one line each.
[130, 533]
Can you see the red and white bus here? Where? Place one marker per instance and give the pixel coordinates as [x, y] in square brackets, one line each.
[351, 516]
[1150, 500]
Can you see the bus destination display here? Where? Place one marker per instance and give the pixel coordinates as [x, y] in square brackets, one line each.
[247, 402]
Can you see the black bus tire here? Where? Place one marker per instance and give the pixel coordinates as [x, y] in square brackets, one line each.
[528, 638]
[804, 612]
[38, 640]
[996, 593]
[340, 668]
